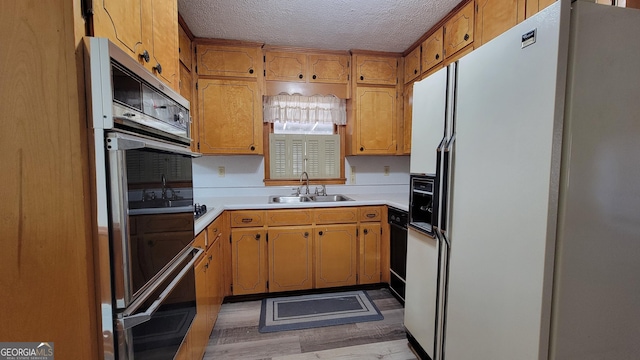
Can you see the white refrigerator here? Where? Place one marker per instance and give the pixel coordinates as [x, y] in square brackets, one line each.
[544, 193]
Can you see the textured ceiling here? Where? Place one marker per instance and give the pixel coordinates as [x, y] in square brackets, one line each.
[382, 25]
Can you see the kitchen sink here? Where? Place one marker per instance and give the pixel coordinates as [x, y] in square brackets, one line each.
[307, 198]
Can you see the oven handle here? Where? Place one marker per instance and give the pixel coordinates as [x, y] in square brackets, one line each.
[121, 141]
[137, 319]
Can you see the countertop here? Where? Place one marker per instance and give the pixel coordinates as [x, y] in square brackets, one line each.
[215, 206]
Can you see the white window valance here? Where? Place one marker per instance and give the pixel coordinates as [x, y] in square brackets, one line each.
[305, 109]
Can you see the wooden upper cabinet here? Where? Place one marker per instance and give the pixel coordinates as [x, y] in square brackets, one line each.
[459, 30]
[412, 65]
[235, 61]
[186, 83]
[184, 47]
[378, 70]
[376, 123]
[162, 41]
[533, 6]
[120, 21]
[432, 49]
[407, 118]
[230, 116]
[328, 68]
[285, 66]
[493, 17]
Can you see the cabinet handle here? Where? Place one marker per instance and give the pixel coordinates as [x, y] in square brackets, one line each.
[466, 37]
[365, 231]
[371, 216]
[361, 148]
[206, 266]
[314, 77]
[158, 68]
[257, 236]
[247, 220]
[320, 233]
[437, 56]
[252, 148]
[361, 77]
[306, 234]
[250, 71]
[300, 76]
[415, 71]
[210, 257]
[145, 56]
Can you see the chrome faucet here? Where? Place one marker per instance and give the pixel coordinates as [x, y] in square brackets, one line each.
[164, 187]
[301, 176]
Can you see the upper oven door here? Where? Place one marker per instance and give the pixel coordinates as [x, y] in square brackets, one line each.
[151, 207]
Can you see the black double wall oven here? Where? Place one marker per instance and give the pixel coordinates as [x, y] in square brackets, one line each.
[144, 206]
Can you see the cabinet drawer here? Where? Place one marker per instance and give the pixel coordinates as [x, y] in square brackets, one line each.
[214, 230]
[289, 217]
[200, 241]
[336, 215]
[370, 213]
[247, 218]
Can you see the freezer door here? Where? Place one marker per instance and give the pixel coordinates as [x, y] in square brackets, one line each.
[427, 125]
[508, 133]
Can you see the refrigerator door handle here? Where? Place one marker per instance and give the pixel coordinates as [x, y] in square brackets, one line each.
[436, 193]
[446, 176]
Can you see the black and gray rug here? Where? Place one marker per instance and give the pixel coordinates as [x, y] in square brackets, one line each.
[309, 311]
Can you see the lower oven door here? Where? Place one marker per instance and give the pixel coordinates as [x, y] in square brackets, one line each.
[155, 325]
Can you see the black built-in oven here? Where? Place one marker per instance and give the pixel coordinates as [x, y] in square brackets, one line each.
[422, 202]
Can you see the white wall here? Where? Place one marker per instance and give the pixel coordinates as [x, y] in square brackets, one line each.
[244, 174]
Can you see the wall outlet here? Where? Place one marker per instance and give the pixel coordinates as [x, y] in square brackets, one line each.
[221, 171]
[386, 170]
[353, 174]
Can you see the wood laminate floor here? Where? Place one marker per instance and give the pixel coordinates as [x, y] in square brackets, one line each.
[236, 336]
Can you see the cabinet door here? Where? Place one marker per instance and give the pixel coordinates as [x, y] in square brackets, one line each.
[376, 70]
[219, 60]
[198, 333]
[121, 21]
[458, 31]
[184, 47]
[493, 17]
[230, 117]
[534, 6]
[215, 282]
[290, 258]
[412, 65]
[369, 236]
[285, 66]
[335, 248]
[432, 50]
[186, 83]
[407, 118]
[328, 68]
[375, 121]
[162, 40]
[248, 261]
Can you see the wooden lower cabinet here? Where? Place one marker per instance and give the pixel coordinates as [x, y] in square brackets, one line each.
[370, 241]
[335, 247]
[290, 258]
[249, 261]
[185, 352]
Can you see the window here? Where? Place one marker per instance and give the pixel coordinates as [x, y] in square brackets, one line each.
[304, 136]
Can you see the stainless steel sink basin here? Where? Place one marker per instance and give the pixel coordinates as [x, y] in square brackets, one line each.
[307, 198]
[289, 199]
[330, 198]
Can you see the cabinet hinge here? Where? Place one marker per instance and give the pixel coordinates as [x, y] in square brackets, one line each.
[198, 145]
[356, 278]
[196, 69]
[381, 228]
[264, 58]
[357, 232]
[476, 7]
[229, 239]
[196, 84]
[232, 288]
[348, 77]
[195, 50]
[265, 73]
[267, 237]
[267, 285]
